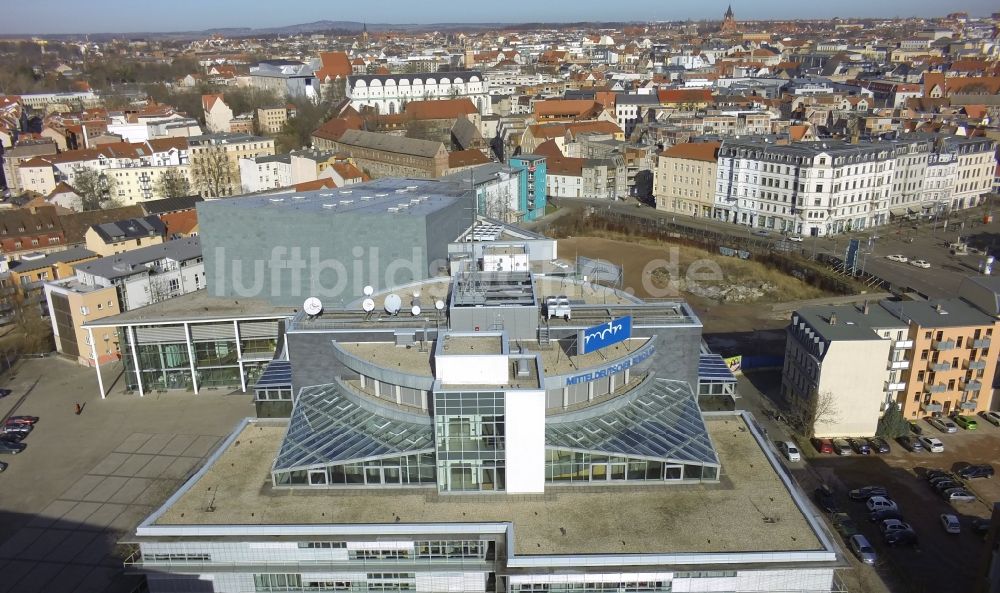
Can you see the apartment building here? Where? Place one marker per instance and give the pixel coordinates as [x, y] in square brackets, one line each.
[822, 343]
[24, 151]
[111, 285]
[28, 275]
[974, 171]
[218, 115]
[214, 160]
[684, 180]
[286, 78]
[265, 172]
[381, 155]
[31, 230]
[271, 120]
[388, 93]
[111, 238]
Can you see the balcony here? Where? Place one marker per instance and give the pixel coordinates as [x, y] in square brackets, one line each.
[939, 367]
[902, 344]
[972, 386]
[899, 364]
[942, 345]
[969, 405]
[931, 407]
[894, 386]
[976, 365]
[936, 388]
[981, 343]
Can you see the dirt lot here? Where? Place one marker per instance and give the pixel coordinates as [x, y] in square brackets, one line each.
[941, 562]
[636, 254]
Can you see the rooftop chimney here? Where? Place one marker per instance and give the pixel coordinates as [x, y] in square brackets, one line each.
[865, 310]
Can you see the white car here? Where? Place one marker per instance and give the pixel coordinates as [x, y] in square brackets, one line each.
[991, 417]
[919, 263]
[950, 523]
[881, 503]
[897, 257]
[932, 444]
[796, 238]
[790, 451]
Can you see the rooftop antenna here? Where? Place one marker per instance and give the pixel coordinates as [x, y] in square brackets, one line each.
[312, 306]
[393, 303]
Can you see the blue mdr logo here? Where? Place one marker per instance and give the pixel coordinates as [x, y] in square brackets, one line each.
[604, 335]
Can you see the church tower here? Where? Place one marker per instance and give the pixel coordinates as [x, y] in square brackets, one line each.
[728, 21]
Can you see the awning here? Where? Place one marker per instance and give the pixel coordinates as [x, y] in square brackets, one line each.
[898, 211]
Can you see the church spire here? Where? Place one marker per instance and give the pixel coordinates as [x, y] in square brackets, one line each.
[729, 12]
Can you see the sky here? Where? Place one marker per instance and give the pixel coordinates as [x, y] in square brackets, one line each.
[120, 16]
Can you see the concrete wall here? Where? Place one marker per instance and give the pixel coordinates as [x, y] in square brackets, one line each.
[854, 375]
[524, 412]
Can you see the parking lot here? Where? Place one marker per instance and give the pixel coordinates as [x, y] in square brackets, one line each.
[940, 562]
[85, 481]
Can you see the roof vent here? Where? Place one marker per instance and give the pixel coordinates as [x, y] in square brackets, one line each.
[833, 319]
[381, 195]
[392, 209]
[329, 206]
[346, 192]
[276, 200]
[298, 197]
[346, 202]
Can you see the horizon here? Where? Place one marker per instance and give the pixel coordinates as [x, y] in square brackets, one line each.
[113, 17]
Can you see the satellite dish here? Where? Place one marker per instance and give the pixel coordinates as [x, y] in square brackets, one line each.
[392, 304]
[369, 291]
[439, 305]
[416, 294]
[368, 305]
[313, 306]
[415, 310]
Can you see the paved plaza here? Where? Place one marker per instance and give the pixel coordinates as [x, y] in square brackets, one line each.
[86, 481]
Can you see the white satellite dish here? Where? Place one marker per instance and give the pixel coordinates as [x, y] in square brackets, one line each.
[369, 291]
[415, 310]
[393, 304]
[416, 294]
[439, 305]
[368, 305]
[313, 306]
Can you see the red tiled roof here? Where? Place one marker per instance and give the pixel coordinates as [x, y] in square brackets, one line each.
[334, 64]
[466, 158]
[693, 151]
[444, 109]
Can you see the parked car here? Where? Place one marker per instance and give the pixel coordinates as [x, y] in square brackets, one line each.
[911, 444]
[942, 424]
[862, 549]
[5, 392]
[878, 503]
[790, 451]
[844, 525]
[823, 445]
[980, 470]
[796, 238]
[9, 448]
[3, 466]
[893, 525]
[966, 422]
[932, 444]
[880, 445]
[762, 233]
[25, 428]
[947, 485]
[950, 523]
[22, 420]
[897, 538]
[958, 495]
[884, 515]
[980, 526]
[841, 446]
[825, 499]
[942, 477]
[13, 437]
[915, 428]
[860, 446]
[936, 473]
[898, 257]
[866, 492]
[991, 417]
[919, 263]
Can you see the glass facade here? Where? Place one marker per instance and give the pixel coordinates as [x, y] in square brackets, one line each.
[405, 470]
[469, 440]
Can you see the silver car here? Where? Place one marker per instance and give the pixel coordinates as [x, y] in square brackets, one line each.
[943, 424]
[862, 549]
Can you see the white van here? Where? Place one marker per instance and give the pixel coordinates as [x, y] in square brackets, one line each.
[790, 451]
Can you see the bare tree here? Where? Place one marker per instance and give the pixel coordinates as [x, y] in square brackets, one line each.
[173, 183]
[96, 190]
[822, 409]
[213, 173]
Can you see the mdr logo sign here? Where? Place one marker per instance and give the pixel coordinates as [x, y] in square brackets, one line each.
[604, 335]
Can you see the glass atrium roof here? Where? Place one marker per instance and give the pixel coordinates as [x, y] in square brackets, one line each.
[713, 368]
[330, 425]
[277, 374]
[662, 421]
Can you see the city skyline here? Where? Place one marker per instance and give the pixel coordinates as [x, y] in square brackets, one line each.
[119, 16]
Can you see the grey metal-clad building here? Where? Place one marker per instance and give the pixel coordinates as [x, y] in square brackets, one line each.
[331, 243]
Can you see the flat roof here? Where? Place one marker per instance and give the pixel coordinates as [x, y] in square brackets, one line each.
[939, 313]
[413, 197]
[195, 306]
[134, 261]
[749, 510]
[852, 323]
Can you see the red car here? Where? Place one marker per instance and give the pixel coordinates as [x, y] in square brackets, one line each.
[21, 420]
[823, 445]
